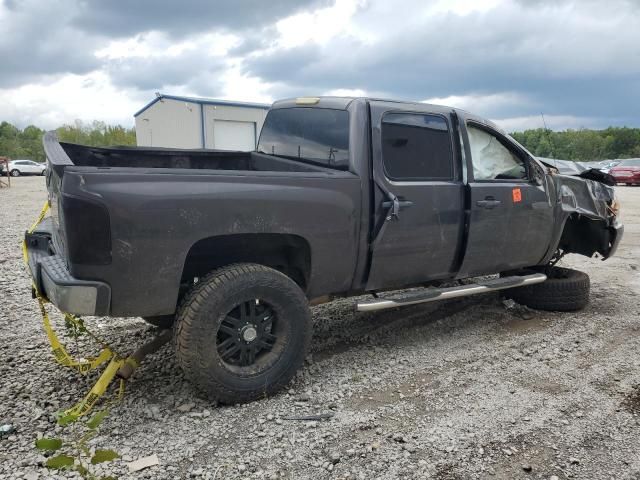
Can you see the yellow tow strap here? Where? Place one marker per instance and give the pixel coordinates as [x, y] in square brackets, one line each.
[62, 355]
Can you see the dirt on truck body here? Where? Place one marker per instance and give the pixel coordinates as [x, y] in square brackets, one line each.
[344, 196]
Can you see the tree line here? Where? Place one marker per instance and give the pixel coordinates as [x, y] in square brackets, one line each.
[582, 145]
[27, 143]
[579, 145]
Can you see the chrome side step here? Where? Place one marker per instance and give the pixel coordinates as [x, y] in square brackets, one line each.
[433, 294]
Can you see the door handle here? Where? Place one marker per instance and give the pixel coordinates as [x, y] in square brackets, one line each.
[488, 202]
[401, 204]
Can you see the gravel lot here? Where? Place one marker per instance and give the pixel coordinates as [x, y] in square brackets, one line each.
[465, 389]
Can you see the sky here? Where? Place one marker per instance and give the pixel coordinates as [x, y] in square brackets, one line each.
[576, 62]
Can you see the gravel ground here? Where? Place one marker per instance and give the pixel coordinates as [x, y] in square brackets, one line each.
[465, 389]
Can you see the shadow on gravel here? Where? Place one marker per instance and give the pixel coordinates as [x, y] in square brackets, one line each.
[631, 402]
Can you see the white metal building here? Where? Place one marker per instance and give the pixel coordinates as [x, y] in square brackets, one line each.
[186, 122]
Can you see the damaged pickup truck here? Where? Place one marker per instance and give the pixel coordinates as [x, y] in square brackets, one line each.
[343, 197]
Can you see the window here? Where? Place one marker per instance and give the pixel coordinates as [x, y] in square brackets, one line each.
[317, 135]
[416, 147]
[491, 159]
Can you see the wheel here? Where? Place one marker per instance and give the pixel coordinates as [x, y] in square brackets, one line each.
[242, 332]
[15, 172]
[161, 321]
[565, 290]
[44, 172]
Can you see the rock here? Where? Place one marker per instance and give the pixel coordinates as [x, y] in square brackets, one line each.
[186, 407]
[142, 463]
[574, 461]
[526, 467]
[32, 476]
[334, 457]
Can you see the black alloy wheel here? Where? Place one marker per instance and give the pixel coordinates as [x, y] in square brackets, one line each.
[247, 333]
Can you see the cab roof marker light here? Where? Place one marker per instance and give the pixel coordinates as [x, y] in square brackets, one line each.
[307, 100]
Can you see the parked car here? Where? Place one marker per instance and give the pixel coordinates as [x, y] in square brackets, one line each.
[607, 165]
[343, 197]
[25, 167]
[627, 171]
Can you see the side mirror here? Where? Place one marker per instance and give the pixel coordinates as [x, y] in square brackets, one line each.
[536, 172]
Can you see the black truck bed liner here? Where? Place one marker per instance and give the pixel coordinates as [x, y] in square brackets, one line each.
[150, 157]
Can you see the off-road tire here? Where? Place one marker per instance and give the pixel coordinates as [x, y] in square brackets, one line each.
[565, 290]
[15, 173]
[161, 321]
[204, 309]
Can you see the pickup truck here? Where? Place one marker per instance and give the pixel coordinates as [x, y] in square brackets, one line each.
[343, 197]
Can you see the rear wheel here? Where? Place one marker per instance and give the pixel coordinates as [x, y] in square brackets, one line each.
[564, 290]
[242, 332]
[15, 173]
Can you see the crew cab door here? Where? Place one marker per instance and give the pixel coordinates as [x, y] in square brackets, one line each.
[510, 213]
[418, 196]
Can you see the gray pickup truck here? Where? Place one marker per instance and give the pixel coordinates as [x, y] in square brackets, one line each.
[343, 197]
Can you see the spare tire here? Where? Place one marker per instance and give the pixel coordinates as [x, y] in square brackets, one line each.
[565, 290]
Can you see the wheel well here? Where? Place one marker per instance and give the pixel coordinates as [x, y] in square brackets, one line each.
[585, 236]
[289, 254]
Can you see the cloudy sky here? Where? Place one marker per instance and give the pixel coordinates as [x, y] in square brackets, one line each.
[578, 62]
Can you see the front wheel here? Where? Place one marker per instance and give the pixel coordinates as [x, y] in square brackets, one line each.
[15, 173]
[242, 332]
[564, 290]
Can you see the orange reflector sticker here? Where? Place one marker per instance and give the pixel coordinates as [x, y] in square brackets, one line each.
[517, 195]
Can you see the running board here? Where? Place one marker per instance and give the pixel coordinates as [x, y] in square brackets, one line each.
[433, 294]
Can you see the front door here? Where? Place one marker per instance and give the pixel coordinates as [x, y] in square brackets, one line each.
[414, 162]
[511, 215]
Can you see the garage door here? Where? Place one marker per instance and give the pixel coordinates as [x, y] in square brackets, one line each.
[230, 135]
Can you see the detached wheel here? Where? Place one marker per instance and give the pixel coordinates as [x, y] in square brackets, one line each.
[565, 290]
[242, 332]
[15, 173]
[161, 321]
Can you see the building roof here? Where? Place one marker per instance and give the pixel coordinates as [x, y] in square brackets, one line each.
[202, 101]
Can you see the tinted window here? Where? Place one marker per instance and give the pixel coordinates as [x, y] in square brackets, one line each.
[491, 159]
[416, 147]
[317, 135]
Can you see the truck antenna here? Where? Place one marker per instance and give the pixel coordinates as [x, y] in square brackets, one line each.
[546, 131]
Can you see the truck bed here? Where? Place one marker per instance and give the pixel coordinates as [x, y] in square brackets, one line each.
[149, 157]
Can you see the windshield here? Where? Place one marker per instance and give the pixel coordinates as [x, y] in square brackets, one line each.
[315, 135]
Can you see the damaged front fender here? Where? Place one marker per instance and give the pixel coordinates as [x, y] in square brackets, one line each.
[587, 220]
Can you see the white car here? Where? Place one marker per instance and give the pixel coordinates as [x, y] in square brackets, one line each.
[25, 167]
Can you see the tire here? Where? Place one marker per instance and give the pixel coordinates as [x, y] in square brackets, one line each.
[232, 312]
[565, 290]
[161, 321]
[15, 172]
[44, 173]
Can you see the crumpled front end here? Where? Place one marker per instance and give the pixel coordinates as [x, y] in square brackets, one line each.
[589, 214]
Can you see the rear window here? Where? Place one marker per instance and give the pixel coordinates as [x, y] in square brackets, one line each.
[313, 135]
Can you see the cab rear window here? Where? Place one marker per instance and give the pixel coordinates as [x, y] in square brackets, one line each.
[313, 135]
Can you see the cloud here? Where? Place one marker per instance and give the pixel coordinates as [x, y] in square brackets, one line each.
[123, 18]
[562, 58]
[578, 62]
[34, 44]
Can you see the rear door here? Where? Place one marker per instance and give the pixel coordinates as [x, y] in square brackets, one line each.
[510, 212]
[414, 163]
